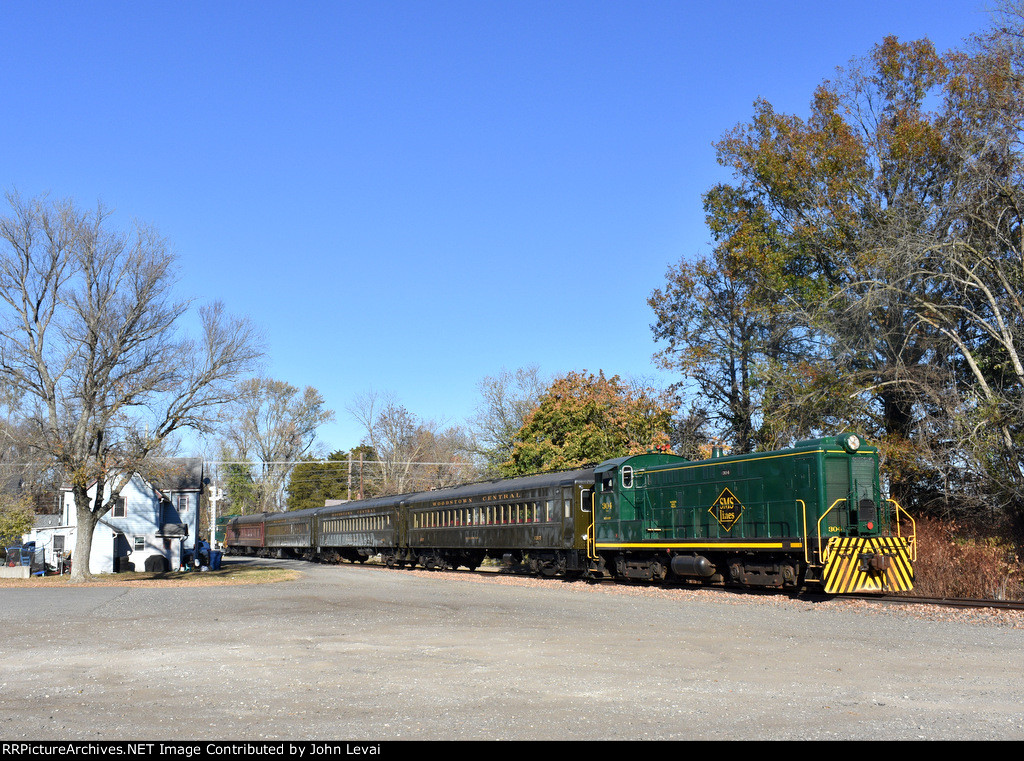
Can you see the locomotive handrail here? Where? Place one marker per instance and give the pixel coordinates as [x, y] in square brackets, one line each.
[803, 514]
[912, 541]
[823, 552]
[592, 528]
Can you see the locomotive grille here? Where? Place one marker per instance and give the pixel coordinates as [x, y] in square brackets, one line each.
[837, 488]
[863, 495]
[867, 510]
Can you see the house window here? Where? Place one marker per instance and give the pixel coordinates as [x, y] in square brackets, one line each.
[140, 543]
[182, 503]
[120, 509]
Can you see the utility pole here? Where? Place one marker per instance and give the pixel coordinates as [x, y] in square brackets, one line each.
[216, 495]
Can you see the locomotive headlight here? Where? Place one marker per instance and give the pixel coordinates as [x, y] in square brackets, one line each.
[850, 442]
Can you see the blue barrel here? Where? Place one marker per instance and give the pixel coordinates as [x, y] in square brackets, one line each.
[215, 556]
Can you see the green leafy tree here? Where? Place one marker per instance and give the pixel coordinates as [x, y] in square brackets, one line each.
[816, 219]
[240, 486]
[312, 481]
[840, 188]
[585, 418]
[16, 518]
[718, 335]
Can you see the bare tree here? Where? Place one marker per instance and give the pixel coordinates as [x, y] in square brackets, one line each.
[446, 453]
[507, 399]
[91, 347]
[274, 424]
[412, 454]
[21, 470]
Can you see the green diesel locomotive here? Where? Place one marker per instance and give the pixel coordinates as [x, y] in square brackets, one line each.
[812, 514]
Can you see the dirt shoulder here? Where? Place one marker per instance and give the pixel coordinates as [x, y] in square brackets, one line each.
[222, 577]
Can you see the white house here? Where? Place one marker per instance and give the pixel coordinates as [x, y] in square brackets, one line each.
[153, 526]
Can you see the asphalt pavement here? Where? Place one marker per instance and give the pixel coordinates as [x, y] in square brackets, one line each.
[357, 653]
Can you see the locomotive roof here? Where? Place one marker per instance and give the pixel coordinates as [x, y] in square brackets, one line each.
[645, 460]
[658, 459]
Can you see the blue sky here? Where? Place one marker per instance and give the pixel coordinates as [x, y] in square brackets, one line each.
[410, 196]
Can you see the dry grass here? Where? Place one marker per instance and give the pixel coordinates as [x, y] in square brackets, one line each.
[223, 577]
[952, 562]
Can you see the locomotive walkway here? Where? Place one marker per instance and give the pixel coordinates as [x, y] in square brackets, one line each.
[353, 653]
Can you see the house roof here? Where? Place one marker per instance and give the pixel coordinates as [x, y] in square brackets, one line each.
[170, 474]
[174, 474]
[46, 521]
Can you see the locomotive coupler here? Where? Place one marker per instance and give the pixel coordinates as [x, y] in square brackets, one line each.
[874, 561]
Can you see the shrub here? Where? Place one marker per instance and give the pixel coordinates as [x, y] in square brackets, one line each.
[954, 562]
[15, 519]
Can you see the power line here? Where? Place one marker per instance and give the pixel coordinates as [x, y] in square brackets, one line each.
[332, 462]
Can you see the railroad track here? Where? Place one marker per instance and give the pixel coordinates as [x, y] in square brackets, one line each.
[947, 602]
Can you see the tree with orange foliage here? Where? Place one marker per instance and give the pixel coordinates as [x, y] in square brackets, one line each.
[585, 418]
[867, 269]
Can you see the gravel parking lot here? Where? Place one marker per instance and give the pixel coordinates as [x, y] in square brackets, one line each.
[353, 653]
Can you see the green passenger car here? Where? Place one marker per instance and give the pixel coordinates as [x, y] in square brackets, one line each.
[813, 513]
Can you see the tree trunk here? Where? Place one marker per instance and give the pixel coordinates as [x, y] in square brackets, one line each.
[87, 521]
[898, 410]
